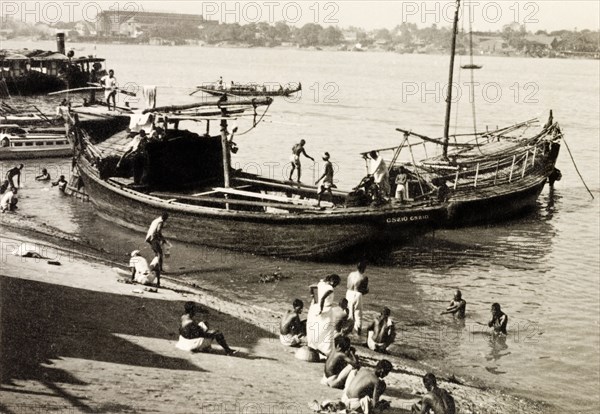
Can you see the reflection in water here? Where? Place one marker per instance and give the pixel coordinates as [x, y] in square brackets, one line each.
[497, 343]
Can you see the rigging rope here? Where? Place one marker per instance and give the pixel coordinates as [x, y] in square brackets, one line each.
[575, 165]
[255, 123]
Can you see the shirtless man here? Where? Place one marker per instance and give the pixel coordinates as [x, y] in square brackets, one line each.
[457, 306]
[298, 150]
[436, 401]
[155, 238]
[291, 328]
[339, 317]
[364, 388]
[12, 173]
[358, 285]
[499, 320]
[325, 182]
[44, 176]
[381, 332]
[61, 183]
[340, 362]
[189, 329]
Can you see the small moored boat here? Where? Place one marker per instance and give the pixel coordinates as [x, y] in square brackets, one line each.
[19, 143]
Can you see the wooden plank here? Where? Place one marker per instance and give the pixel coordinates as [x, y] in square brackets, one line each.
[178, 197]
[272, 197]
[216, 191]
[286, 186]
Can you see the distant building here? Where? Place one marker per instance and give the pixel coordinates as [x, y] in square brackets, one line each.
[542, 40]
[119, 23]
[492, 45]
[85, 28]
[350, 36]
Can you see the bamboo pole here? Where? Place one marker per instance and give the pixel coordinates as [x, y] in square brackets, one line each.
[476, 175]
[172, 108]
[496, 174]
[525, 164]
[456, 178]
[512, 168]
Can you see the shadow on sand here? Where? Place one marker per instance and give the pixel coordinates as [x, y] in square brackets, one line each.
[41, 322]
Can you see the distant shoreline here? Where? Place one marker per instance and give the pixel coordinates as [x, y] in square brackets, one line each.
[338, 48]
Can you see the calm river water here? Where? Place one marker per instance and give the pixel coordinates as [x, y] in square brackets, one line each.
[542, 268]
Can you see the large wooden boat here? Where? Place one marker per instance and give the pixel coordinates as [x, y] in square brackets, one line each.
[26, 72]
[189, 176]
[248, 90]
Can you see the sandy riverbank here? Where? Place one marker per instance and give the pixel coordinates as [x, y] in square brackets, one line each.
[73, 339]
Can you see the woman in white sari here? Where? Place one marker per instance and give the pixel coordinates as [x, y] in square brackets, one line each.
[320, 327]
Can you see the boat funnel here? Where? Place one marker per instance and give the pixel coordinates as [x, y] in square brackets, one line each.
[60, 43]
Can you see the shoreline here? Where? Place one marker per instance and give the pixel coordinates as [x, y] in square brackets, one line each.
[405, 379]
[338, 48]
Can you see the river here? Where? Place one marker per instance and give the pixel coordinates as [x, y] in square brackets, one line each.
[543, 268]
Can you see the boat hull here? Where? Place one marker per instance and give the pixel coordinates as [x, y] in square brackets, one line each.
[288, 235]
[25, 154]
[495, 208]
[217, 92]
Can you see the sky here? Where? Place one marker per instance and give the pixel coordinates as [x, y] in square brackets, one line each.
[486, 15]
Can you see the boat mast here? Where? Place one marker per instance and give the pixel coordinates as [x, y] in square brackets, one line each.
[450, 79]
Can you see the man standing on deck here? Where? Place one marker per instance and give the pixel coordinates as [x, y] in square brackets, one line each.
[14, 172]
[437, 400]
[298, 150]
[380, 174]
[138, 147]
[109, 82]
[326, 180]
[155, 238]
[358, 285]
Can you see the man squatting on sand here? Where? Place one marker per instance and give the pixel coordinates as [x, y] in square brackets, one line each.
[436, 401]
[292, 330]
[340, 362]
[381, 332]
[364, 388]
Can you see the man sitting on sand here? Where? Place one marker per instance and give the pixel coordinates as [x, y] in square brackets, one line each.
[340, 362]
[197, 336]
[381, 332]
[340, 319]
[291, 329]
[141, 272]
[364, 388]
[457, 306]
[437, 400]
